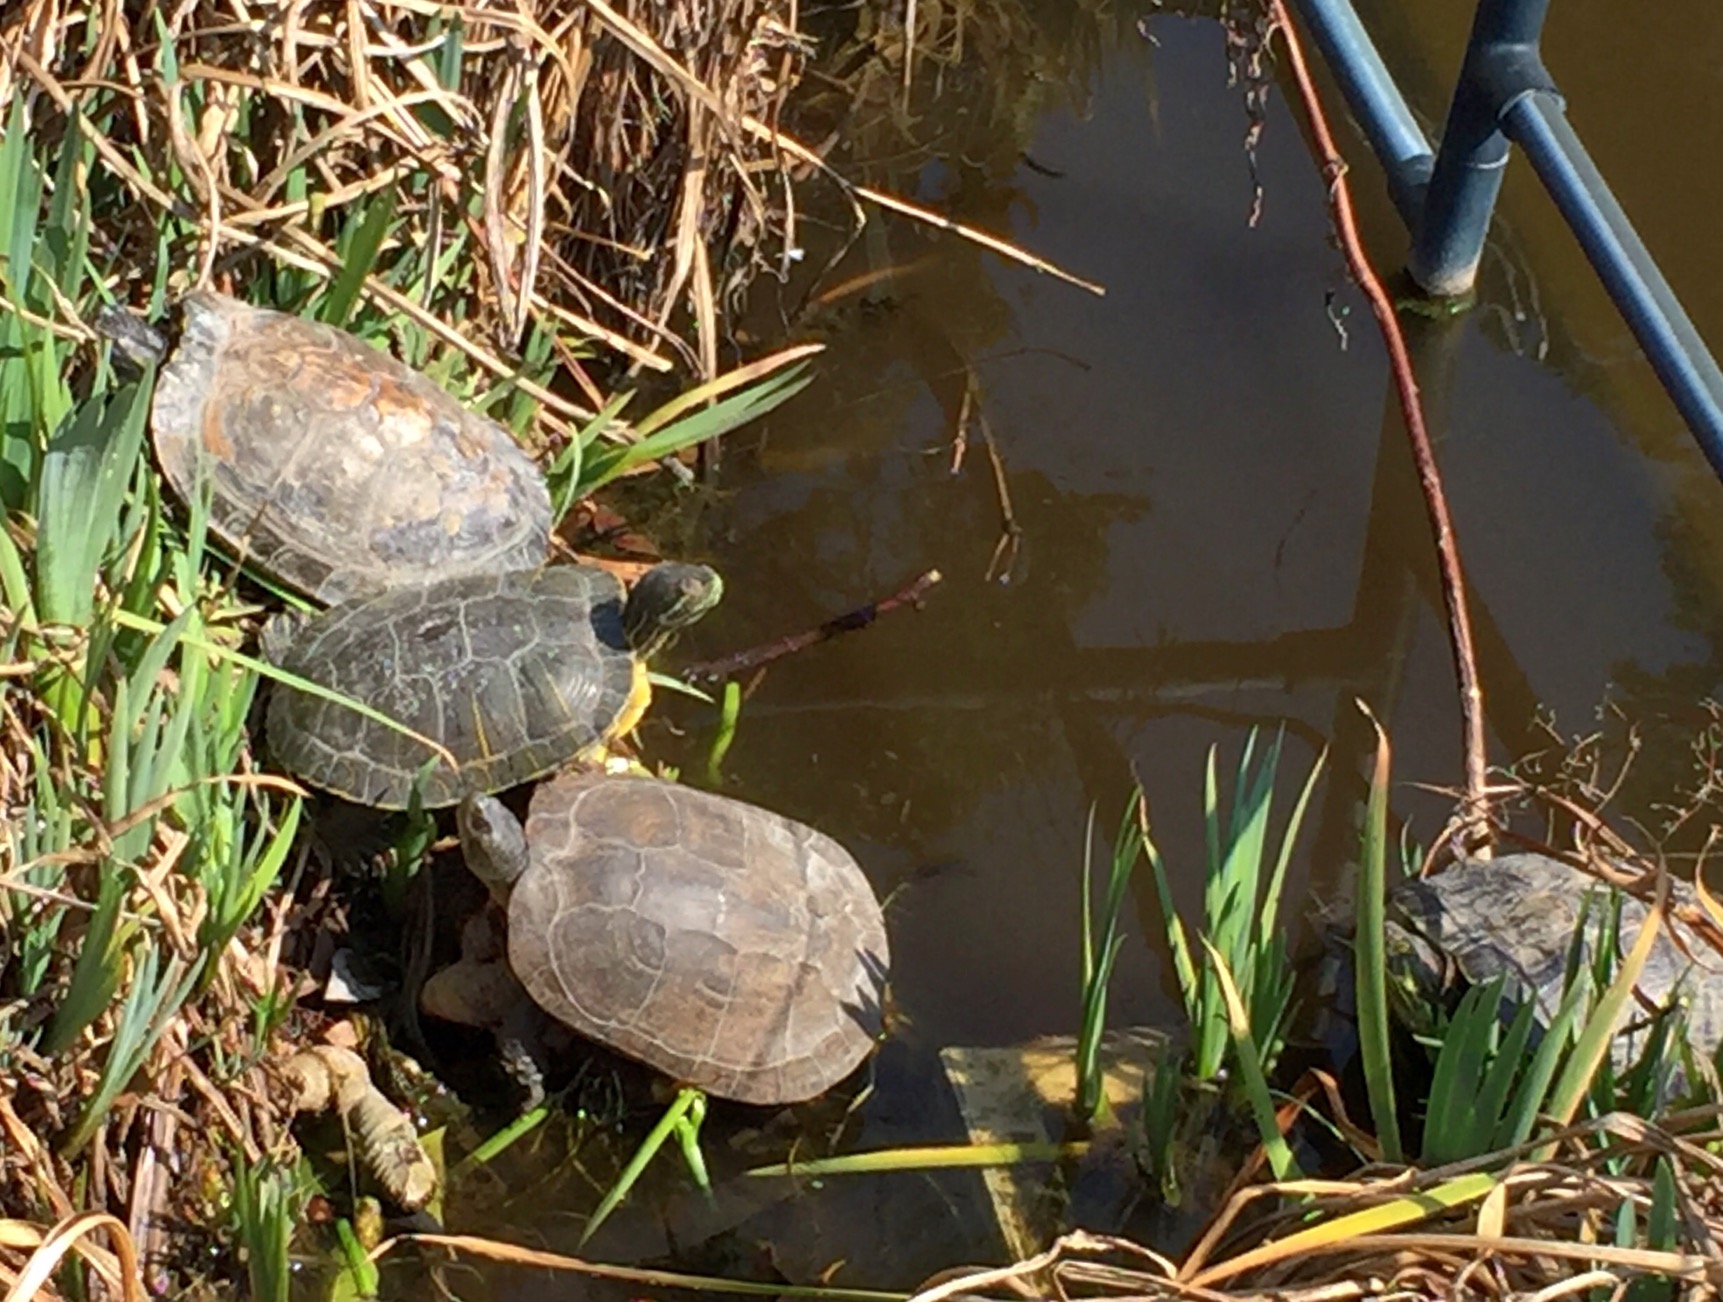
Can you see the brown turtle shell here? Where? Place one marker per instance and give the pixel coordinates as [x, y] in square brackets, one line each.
[333, 466]
[726, 946]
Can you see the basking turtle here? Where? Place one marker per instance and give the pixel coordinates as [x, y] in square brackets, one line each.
[726, 946]
[331, 465]
[1517, 915]
[513, 674]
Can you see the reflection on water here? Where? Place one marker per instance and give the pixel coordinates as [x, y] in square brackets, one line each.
[1219, 527]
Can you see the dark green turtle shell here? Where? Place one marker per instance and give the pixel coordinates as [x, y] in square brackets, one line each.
[333, 466]
[725, 945]
[515, 674]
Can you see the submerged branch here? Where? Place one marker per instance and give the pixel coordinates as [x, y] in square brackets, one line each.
[760, 656]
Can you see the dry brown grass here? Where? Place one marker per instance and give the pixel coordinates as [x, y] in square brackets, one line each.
[575, 144]
[1488, 1230]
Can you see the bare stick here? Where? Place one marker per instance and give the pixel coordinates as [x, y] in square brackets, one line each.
[1474, 808]
[740, 663]
[1010, 532]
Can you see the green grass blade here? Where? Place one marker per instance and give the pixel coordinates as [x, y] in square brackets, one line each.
[667, 1125]
[1534, 1087]
[1369, 956]
[610, 461]
[1254, 1080]
[924, 1157]
[267, 1201]
[1178, 943]
[1086, 944]
[86, 472]
[1490, 1107]
[1592, 1047]
[1454, 1128]
[361, 241]
[504, 1139]
[1098, 968]
[728, 711]
[96, 974]
[148, 1009]
[1269, 915]
[237, 891]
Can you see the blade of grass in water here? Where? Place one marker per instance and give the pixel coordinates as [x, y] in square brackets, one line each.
[1280, 1159]
[1370, 962]
[729, 709]
[679, 1119]
[500, 1142]
[1098, 965]
[927, 1157]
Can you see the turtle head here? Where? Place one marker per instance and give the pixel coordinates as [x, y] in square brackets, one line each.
[138, 345]
[493, 842]
[667, 599]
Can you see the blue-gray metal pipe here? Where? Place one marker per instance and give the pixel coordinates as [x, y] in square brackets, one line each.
[1538, 125]
[1375, 101]
[1501, 62]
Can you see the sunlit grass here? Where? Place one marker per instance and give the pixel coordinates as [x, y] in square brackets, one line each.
[1370, 963]
[1242, 892]
[141, 846]
[1098, 959]
[266, 1207]
[143, 842]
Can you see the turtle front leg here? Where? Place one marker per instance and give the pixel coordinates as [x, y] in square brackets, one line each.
[521, 1047]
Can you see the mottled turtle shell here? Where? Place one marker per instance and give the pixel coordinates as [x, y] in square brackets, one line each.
[515, 674]
[726, 946]
[333, 466]
[1517, 915]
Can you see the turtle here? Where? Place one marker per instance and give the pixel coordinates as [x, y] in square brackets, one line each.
[1517, 916]
[512, 674]
[724, 945]
[333, 467]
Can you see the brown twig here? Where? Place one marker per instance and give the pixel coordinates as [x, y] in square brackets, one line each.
[741, 662]
[1474, 809]
[1010, 532]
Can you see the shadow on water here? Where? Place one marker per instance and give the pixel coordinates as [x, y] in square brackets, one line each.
[1216, 525]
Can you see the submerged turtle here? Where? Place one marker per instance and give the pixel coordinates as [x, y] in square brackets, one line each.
[331, 465]
[513, 674]
[1517, 916]
[726, 946]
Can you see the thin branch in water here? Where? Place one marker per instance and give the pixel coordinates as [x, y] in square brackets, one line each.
[743, 661]
[1010, 532]
[960, 440]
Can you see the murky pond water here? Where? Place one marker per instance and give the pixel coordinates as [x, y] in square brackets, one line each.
[1218, 529]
